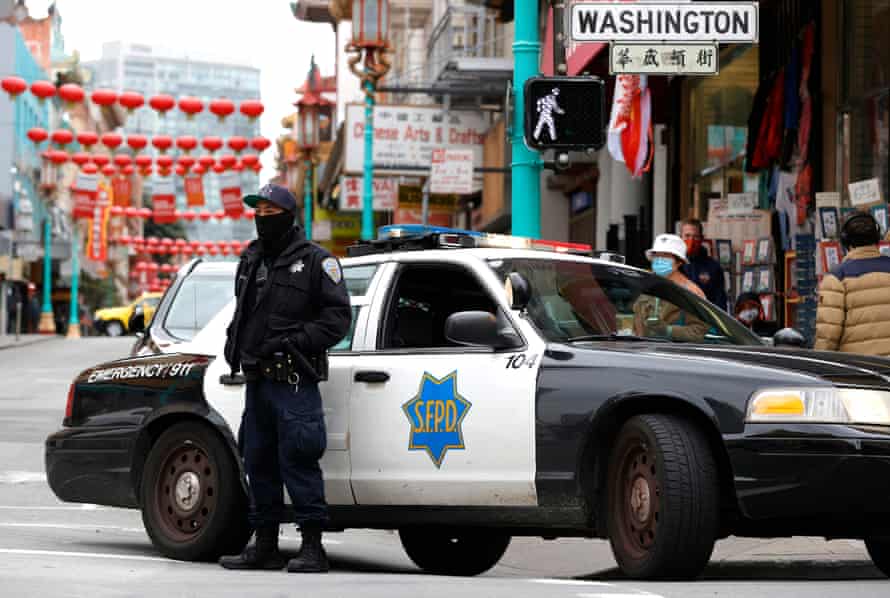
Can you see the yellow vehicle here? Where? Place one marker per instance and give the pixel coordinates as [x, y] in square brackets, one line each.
[113, 321]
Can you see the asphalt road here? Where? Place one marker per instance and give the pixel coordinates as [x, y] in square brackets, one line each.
[49, 548]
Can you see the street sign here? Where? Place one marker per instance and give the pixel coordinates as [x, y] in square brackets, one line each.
[452, 171]
[724, 22]
[663, 59]
[565, 113]
[386, 191]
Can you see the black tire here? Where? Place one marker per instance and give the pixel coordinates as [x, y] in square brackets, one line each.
[207, 518]
[879, 551]
[454, 552]
[114, 328]
[663, 517]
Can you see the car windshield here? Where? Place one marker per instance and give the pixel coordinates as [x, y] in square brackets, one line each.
[197, 301]
[578, 301]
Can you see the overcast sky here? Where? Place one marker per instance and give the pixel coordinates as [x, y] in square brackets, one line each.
[262, 33]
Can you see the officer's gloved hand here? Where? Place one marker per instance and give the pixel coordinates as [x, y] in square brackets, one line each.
[271, 346]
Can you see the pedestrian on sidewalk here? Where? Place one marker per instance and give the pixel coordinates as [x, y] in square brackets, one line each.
[32, 310]
[291, 307]
[701, 268]
[854, 299]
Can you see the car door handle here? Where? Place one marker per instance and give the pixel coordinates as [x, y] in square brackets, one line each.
[372, 377]
[230, 380]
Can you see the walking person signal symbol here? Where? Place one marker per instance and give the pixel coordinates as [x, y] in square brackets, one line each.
[547, 107]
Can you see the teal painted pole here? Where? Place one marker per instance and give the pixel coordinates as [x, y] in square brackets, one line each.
[526, 166]
[47, 264]
[368, 179]
[74, 319]
[307, 200]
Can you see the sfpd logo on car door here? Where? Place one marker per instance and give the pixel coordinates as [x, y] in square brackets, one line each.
[436, 415]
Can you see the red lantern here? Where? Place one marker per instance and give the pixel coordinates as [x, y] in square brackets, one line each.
[43, 89]
[80, 158]
[201, 251]
[186, 143]
[109, 170]
[186, 161]
[143, 161]
[104, 97]
[260, 144]
[191, 106]
[207, 161]
[186, 251]
[205, 215]
[87, 139]
[14, 86]
[128, 170]
[162, 142]
[71, 93]
[257, 167]
[238, 166]
[180, 170]
[137, 142]
[144, 172]
[62, 137]
[237, 143]
[145, 214]
[162, 103]
[57, 157]
[189, 216]
[223, 248]
[236, 246]
[111, 140]
[131, 212]
[211, 144]
[90, 169]
[37, 135]
[163, 171]
[116, 210]
[123, 160]
[195, 244]
[219, 214]
[249, 160]
[219, 168]
[124, 239]
[249, 214]
[199, 170]
[227, 160]
[164, 161]
[222, 108]
[370, 23]
[100, 160]
[214, 250]
[252, 109]
[131, 100]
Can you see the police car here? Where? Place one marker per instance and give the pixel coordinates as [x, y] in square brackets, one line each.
[493, 387]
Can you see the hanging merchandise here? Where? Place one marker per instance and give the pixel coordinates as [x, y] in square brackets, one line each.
[97, 239]
[769, 137]
[230, 190]
[84, 194]
[630, 127]
[163, 198]
[194, 190]
[791, 121]
[806, 112]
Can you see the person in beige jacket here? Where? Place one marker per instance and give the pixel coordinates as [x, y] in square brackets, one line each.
[854, 299]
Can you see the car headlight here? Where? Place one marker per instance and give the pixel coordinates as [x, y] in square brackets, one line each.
[821, 405]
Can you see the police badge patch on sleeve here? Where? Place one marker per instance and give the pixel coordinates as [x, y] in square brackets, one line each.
[332, 268]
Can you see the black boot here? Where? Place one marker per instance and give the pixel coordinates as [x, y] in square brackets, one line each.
[263, 554]
[312, 557]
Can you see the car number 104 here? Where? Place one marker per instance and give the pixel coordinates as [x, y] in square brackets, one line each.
[521, 359]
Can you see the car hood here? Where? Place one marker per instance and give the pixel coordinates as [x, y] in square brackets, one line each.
[112, 312]
[839, 368]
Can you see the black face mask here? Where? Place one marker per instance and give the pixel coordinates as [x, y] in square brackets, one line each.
[273, 230]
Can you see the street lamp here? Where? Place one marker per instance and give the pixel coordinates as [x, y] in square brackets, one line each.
[309, 134]
[370, 41]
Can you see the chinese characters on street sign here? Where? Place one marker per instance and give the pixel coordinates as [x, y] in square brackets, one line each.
[452, 171]
[663, 59]
[565, 113]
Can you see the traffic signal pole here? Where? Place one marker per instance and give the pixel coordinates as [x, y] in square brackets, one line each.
[526, 165]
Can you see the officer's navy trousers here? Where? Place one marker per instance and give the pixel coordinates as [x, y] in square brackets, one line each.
[284, 436]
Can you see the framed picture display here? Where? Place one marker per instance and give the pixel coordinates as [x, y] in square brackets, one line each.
[765, 280]
[829, 225]
[724, 252]
[845, 213]
[764, 250]
[830, 255]
[880, 214]
[749, 252]
[768, 303]
[748, 281]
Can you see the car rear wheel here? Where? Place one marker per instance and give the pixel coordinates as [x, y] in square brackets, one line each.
[114, 328]
[193, 505]
[663, 498]
[879, 551]
[454, 552]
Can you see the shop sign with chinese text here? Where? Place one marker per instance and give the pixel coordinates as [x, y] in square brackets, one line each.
[663, 59]
[386, 191]
[452, 171]
[405, 136]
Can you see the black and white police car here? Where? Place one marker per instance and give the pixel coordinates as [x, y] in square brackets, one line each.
[489, 389]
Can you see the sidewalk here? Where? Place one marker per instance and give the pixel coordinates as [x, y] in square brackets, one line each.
[7, 341]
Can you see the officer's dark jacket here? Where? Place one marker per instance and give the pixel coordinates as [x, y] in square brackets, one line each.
[706, 272]
[300, 301]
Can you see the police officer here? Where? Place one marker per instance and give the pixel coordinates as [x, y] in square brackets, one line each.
[292, 306]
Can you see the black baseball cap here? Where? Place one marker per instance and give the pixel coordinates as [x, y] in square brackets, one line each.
[276, 194]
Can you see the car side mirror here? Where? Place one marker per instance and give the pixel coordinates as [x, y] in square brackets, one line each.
[518, 289]
[481, 329]
[789, 337]
[137, 321]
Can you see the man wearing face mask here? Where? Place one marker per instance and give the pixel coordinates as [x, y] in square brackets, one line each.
[701, 268]
[292, 306]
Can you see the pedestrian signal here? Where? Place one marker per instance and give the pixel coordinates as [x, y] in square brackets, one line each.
[565, 113]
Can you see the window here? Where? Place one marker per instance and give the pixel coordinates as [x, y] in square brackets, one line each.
[358, 279]
[152, 302]
[346, 343]
[423, 298]
[578, 301]
[196, 302]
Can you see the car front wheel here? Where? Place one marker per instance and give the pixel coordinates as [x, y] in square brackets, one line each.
[193, 505]
[879, 551]
[454, 552]
[663, 498]
[114, 328]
